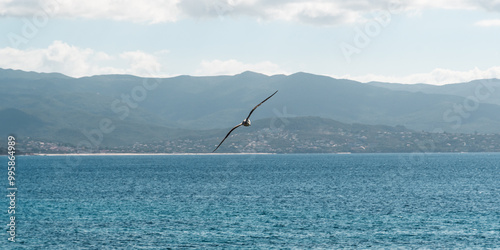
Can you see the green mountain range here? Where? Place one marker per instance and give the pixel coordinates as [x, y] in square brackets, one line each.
[118, 110]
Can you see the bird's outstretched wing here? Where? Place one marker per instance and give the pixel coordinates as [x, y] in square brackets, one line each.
[227, 136]
[248, 117]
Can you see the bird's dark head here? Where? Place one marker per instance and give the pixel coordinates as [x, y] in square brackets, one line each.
[246, 122]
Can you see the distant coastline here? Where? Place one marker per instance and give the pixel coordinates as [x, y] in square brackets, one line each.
[174, 154]
[131, 154]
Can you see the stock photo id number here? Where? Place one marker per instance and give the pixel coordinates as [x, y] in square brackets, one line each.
[11, 189]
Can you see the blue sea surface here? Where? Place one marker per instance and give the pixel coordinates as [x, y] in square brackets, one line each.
[256, 201]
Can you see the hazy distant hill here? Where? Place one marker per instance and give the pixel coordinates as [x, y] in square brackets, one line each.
[486, 90]
[61, 108]
[16, 121]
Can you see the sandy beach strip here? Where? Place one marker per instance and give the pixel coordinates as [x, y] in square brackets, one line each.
[147, 154]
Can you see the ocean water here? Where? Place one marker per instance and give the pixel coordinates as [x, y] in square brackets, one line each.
[257, 201]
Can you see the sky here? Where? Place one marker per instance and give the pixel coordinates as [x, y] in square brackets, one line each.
[422, 41]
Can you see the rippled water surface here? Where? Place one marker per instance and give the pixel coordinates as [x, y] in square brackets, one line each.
[257, 201]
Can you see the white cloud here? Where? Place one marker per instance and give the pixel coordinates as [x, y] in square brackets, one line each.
[151, 11]
[74, 61]
[77, 62]
[232, 67]
[488, 23]
[321, 12]
[141, 63]
[436, 77]
[441, 4]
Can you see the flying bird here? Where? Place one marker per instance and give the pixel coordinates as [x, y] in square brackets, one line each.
[245, 122]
